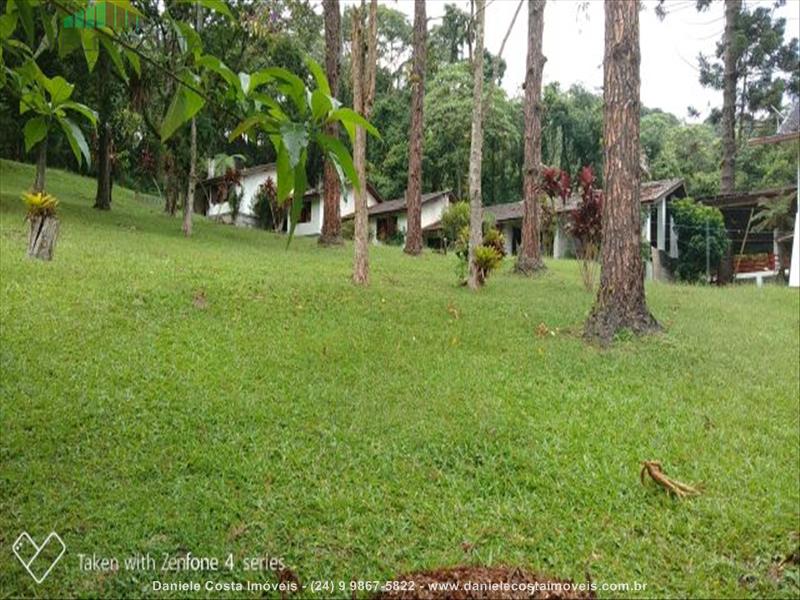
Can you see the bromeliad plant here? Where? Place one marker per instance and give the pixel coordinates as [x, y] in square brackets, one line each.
[293, 120]
[40, 204]
[43, 229]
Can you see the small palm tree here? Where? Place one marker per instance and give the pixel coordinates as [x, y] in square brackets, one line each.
[776, 214]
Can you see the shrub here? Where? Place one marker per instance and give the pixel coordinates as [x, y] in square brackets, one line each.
[494, 238]
[690, 219]
[586, 225]
[454, 219]
[398, 238]
[348, 230]
[487, 258]
[488, 255]
[270, 214]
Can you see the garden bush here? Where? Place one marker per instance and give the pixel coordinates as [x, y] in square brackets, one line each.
[690, 219]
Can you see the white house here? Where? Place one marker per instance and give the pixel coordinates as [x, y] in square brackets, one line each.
[310, 222]
[658, 227]
[390, 218]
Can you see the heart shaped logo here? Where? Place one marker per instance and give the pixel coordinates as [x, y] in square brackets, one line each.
[39, 560]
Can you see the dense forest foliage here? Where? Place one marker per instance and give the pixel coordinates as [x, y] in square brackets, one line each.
[281, 32]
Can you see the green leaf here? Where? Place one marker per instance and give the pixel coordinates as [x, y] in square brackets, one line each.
[274, 109]
[258, 78]
[116, 57]
[25, 11]
[68, 40]
[259, 119]
[133, 60]
[348, 117]
[87, 112]
[34, 131]
[8, 23]
[50, 24]
[295, 140]
[213, 5]
[185, 104]
[212, 63]
[319, 76]
[285, 183]
[300, 185]
[190, 39]
[289, 84]
[91, 47]
[336, 150]
[58, 88]
[321, 105]
[76, 140]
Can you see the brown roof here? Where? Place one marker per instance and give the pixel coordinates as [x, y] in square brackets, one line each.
[746, 199]
[509, 211]
[512, 211]
[651, 191]
[399, 204]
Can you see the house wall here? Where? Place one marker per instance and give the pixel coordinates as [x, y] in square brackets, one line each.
[247, 215]
[347, 207]
[507, 229]
[248, 187]
[431, 213]
[563, 244]
[661, 222]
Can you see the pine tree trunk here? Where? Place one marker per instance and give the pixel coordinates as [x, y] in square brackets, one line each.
[414, 188]
[331, 234]
[620, 302]
[476, 150]
[728, 179]
[364, 64]
[530, 260]
[102, 199]
[188, 205]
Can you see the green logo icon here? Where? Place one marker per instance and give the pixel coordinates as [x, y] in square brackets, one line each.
[114, 14]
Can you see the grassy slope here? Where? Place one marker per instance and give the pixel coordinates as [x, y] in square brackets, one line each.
[361, 433]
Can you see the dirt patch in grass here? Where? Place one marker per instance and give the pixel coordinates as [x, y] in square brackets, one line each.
[495, 583]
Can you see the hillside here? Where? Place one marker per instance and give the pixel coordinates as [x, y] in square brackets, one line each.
[222, 394]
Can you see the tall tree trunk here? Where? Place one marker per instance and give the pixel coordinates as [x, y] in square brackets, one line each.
[530, 260]
[41, 167]
[728, 179]
[331, 214]
[102, 199]
[476, 149]
[620, 302]
[414, 188]
[188, 205]
[364, 65]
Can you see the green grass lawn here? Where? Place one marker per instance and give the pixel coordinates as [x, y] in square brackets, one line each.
[360, 433]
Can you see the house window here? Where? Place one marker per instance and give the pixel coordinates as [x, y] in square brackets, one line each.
[387, 228]
[305, 212]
